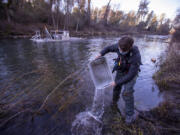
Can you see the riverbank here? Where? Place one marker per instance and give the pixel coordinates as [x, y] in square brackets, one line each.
[159, 121]
[80, 34]
[15, 30]
[168, 80]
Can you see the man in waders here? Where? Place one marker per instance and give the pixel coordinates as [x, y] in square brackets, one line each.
[127, 66]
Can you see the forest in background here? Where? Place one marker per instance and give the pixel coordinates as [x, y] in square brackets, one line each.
[26, 16]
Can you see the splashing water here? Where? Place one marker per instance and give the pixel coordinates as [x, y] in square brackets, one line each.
[89, 122]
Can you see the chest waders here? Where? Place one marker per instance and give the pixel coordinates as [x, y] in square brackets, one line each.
[121, 63]
[121, 66]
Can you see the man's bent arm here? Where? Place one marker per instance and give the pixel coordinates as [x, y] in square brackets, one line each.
[112, 48]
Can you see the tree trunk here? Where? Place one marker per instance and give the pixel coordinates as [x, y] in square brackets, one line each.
[106, 13]
[57, 13]
[77, 26]
[53, 20]
[7, 14]
[89, 13]
[52, 14]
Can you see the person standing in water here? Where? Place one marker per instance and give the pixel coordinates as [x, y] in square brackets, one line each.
[127, 65]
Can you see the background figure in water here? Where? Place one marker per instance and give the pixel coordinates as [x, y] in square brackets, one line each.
[127, 66]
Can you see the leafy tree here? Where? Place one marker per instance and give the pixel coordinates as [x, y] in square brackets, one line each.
[115, 17]
[112, 17]
[106, 13]
[149, 18]
[176, 26]
[177, 20]
[3, 10]
[143, 9]
[131, 18]
[68, 7]
[89, 13]
[153, 25]
[77, 15]
[162, 18]
[94, 16]
[164, 28]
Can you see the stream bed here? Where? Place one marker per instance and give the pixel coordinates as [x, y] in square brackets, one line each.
[53, 80]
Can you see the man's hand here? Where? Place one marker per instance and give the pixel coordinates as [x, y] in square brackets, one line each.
[113, 84]
[98, 56]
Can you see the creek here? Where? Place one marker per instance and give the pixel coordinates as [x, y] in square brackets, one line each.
[29, 72]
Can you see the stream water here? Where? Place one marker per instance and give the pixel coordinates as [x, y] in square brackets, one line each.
[30, 71]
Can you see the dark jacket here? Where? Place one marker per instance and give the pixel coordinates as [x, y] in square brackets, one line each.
[134, 60]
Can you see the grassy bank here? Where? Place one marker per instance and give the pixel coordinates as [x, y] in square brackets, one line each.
[159, 121]
[168, 80]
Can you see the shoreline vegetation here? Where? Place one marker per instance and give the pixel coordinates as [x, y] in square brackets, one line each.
[27, 31]
[168, 80]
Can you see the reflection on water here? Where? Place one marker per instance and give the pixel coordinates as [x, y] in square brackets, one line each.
[30, 71]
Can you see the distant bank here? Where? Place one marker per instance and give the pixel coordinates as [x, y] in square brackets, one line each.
[15, 30]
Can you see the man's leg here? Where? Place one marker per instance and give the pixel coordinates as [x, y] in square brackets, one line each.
[129, 99]
[117, 89]
[116, 94]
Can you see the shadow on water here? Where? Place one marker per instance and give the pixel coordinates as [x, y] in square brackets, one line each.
[29, 72]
